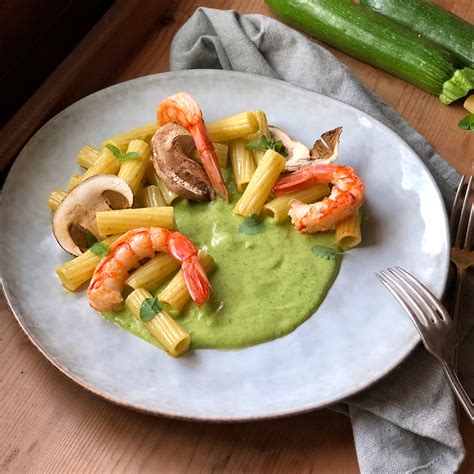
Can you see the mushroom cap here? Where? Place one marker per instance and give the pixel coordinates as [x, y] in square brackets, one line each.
[172, 144]
[76, 214]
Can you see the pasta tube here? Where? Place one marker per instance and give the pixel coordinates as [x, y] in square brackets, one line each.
[77, 271]
[152, 178]
[74, 180]
[170, 334]
[55, 198]
[176, 294]
[221, 151]
[123, 220]
[262, 131]
[243, 164]
[231, 128]
[348, 233]
[105, 164]
[279, 207]
[151, 197]
[261, 184]
[87, 156]
[122, 140]
[153, 272]
[133, 170]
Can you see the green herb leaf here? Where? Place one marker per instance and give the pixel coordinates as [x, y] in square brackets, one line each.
[131, 155]
[90, 238]
[467, 123]
[264, 143]
[252, 225]
[149, 309]
[327, 253]
[100, 249]
[116, 151]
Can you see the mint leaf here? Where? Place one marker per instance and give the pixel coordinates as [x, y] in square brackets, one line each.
[120, 155]
[327, 253]
[264, 143]
[149, 309]
[116, 151]
[90, 238]
[467, 123]
[252, 225]
[100, 249]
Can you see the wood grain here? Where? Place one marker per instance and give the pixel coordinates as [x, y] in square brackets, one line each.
[49, 424]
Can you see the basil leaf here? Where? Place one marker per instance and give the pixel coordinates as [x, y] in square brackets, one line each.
[149, 309]
[280, 148]
[467, 123]
[252, 225]
[131, 155]
[116, 151]
[100, 249]
[327, 253]
[261, 144]
[90, 238]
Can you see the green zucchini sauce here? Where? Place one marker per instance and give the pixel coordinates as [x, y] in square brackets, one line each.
[264, 287]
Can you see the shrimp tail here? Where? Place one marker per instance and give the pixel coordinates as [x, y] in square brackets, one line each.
[196, 280]
[296, 181]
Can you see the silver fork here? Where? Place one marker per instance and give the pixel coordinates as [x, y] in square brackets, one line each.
[461, 225]
[433, 322]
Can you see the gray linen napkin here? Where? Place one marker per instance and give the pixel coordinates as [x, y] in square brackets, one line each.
[407, 422]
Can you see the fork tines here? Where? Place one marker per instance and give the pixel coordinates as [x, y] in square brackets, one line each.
[461, 221]
[420, 304]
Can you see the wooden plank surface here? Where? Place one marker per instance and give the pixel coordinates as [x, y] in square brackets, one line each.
[49, 424]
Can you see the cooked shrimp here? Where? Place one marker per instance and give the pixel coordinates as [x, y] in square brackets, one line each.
[105, 289]
[347, 195]
[181, 108]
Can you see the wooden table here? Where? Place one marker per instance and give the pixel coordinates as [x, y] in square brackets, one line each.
[49, 424]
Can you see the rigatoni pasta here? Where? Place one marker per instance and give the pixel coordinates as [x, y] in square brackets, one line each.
[230, 128]
[122, 140]
[74, 180]
[262, 131]
[151, 196]
[123, 220]
[243, 163]
[278, 208]
[87, 156]
[261, 184]
[348, 233]
[106, 164]
[133, 169]
[55, 198]
[168, 332]
[154, 272]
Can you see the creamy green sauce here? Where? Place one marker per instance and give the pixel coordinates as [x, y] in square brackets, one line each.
[264, 287]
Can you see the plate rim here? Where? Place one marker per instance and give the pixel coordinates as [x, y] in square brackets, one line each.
[219, 419]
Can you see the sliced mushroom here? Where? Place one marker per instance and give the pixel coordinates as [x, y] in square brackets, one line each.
[172, 146]
[75, 215]
[324, 151]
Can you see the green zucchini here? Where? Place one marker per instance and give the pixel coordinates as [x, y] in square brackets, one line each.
[369, 37]
[432, 21]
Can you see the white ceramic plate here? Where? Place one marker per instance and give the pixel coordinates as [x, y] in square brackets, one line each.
[358, 334]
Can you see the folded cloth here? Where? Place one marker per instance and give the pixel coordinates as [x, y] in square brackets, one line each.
[407, 422]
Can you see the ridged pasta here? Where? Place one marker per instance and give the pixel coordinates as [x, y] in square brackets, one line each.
[133, 170]
[154, 272]
[105, 164]
[77, 271]
[169, 333]
[123, 220]
[176, 294]
[221, 150]
[278, 208]
[55, 198]
[151, 196]
[261, 184]
[74, 180]
[87, 156]
[243, 163]
[262, 131]
[348, 234]
[122, 140]
[231, 128]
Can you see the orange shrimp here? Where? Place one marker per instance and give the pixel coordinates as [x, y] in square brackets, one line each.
[105, 289]
[347, 195]
[182, 109]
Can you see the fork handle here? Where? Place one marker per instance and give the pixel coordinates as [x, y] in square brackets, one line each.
[458, 298]
[458, 389]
